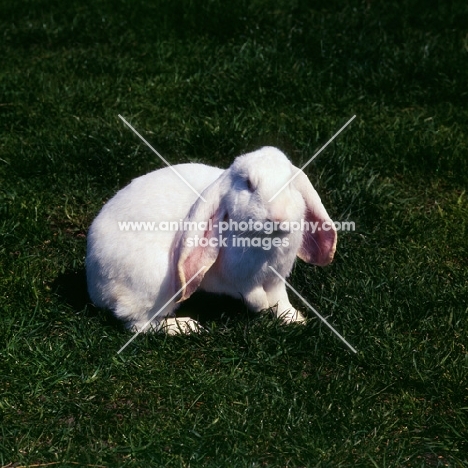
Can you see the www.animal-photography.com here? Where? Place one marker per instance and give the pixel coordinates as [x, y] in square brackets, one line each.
[234, 234]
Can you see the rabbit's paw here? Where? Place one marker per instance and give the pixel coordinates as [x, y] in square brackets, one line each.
[180, 326]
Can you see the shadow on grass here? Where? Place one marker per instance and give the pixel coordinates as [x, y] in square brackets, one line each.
[204, 307]
[71, 287]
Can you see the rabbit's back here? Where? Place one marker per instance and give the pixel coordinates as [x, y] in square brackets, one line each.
[161, 195]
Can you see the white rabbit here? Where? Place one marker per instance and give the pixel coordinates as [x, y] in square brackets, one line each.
[138, 273]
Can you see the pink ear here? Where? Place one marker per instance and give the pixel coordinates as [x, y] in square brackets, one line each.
[317, 247]
[199, 246]
[196, 249]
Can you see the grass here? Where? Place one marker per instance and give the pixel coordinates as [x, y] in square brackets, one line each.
[205, 81]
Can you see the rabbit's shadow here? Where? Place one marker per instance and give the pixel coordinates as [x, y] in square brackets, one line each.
[71, 287]
[208, 307]
[201, 306]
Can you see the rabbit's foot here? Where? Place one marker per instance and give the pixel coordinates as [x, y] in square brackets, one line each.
[180, 326]
[291, 316]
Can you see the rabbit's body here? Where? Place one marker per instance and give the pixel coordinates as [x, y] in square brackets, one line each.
[137, 272]
[129, 271]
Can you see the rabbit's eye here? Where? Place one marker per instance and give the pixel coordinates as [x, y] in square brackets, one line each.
[250, 186]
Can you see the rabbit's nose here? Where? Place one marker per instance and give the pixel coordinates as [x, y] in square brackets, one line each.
[278, 218]
[279, 209]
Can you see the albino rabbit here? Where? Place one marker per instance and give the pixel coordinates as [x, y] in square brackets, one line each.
[137, 272]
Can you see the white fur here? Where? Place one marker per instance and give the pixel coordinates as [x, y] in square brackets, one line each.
[134, 273]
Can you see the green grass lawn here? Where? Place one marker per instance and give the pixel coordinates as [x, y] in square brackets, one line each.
[205, 80]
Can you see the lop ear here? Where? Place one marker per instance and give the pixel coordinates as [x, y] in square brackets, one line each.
[197, 245]
[319, 243]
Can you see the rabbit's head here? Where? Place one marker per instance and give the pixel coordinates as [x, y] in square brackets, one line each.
[253, 180]
[261, 186]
